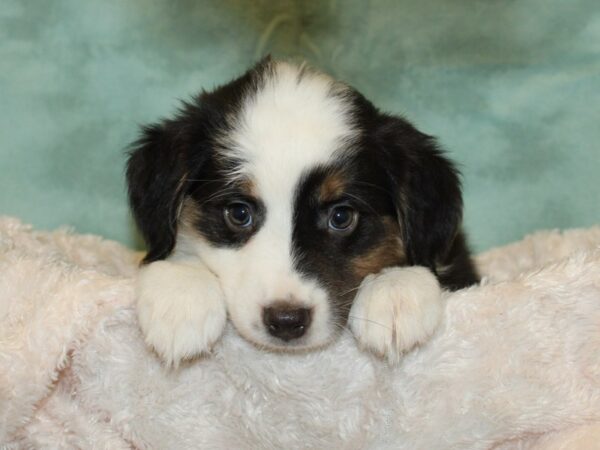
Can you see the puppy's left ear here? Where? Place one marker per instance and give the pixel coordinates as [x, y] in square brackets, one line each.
[426, 189]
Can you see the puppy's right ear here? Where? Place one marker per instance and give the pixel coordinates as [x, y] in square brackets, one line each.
[156, 179]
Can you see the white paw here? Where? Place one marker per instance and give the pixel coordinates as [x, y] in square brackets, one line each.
[395, 310]
[181, 309]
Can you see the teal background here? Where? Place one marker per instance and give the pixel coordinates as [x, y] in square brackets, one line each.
[511, 88]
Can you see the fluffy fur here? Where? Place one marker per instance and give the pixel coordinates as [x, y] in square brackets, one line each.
[403, 302]
[184, 330]
[515, 364]
[293, 147]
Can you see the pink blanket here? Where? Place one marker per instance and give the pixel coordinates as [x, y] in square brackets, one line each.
[516, 363]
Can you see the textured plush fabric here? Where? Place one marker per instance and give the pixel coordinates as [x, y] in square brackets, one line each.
[515, 364]
[511, 88]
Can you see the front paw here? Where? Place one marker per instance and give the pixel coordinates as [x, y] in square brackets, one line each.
[395, 310]
[181, 309]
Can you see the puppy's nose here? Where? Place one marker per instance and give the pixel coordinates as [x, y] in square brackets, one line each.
[286, 322]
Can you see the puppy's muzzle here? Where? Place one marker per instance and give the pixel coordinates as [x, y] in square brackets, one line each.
[286, 321]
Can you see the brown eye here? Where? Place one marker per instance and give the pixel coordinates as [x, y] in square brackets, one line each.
[342, 219]
[238, 216]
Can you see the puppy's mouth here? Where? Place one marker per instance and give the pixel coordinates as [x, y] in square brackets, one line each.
[288, 347]
[303, 345]
[288, 329]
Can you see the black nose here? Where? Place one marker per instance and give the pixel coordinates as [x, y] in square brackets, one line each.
[286, 322]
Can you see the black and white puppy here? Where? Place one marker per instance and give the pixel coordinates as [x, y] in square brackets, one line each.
[287, 201]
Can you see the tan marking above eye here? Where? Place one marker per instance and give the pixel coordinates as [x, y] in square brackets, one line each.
[247, 186]
[388, 253]
[332, 187]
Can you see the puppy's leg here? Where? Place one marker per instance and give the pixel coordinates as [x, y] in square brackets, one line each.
[395, 310]
[181, 309]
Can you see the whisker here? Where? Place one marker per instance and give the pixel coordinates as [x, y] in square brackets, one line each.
[361, 284]
[218, 194]
[356, 288]
[371, 321]
[360, 200]
[339, 326]
[380, 188]
[199, 180]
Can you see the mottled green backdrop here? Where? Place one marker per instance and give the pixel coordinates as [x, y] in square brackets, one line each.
[511, 88]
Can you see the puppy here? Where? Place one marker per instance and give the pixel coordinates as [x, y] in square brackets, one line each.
[288, 202]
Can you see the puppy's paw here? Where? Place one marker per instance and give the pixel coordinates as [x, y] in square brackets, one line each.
[181, 309]
[395, 310]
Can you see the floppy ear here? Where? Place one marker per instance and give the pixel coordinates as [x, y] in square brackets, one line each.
[164, 165]
[156, 178]
[426, 189]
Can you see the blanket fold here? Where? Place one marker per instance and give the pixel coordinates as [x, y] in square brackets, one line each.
[515, 363]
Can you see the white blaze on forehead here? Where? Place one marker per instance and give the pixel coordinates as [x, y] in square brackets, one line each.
[294, 122]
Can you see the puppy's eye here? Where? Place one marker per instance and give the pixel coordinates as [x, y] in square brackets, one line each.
[343, 219]
[238, 216]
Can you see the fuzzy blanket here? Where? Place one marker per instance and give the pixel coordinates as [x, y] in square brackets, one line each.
[516, 363]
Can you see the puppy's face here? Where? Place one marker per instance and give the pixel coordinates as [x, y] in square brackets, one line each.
[291, 188]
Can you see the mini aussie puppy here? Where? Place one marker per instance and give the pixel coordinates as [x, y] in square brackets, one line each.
[288, 202]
